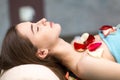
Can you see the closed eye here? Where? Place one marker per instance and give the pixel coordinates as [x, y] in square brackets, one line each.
[37, 29]
[32, 28]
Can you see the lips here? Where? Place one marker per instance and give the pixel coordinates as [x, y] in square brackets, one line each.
[51, 24]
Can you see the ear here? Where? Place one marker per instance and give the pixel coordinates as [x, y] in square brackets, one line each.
[42, 53]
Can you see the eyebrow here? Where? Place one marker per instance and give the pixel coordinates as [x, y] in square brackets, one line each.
[32, 28]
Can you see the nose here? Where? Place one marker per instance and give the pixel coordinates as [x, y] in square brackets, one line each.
[43, 20]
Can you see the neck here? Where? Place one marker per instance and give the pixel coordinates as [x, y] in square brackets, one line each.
[60, 47]
[65, 52]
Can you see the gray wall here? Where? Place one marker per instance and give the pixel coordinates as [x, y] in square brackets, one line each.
[78, 16]
[4, 18]
[75, 16]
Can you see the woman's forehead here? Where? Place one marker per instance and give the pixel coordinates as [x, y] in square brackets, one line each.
[23, 23]
[24, 28]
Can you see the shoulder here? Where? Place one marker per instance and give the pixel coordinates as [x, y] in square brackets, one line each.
[29, 72]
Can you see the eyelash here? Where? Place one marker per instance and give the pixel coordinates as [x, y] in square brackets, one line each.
[37, 29]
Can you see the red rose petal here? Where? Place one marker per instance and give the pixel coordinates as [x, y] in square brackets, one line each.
[78, 46]
[94, 46]
[90, 39]
[105, 27]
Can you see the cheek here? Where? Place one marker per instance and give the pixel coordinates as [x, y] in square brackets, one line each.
[37, 40]
[48, 39]
[42, 40]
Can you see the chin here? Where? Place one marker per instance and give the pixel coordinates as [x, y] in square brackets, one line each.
[59, 29]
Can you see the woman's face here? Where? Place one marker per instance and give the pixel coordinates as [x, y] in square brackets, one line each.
[43, 34]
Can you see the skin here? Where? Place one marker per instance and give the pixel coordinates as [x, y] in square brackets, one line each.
[43, 34]
[47, 40]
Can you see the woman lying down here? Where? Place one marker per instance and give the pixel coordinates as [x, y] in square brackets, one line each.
[89, 57]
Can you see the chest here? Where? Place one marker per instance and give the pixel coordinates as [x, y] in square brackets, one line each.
[106, 53]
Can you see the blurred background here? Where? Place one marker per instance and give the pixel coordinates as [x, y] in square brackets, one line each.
[75, 16]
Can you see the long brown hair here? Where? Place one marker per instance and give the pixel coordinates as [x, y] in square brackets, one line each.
[17, 50]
